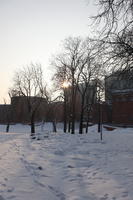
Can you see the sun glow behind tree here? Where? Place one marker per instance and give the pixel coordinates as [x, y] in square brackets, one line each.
[65, 84]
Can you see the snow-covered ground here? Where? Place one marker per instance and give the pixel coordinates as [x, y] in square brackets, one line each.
[64, 166]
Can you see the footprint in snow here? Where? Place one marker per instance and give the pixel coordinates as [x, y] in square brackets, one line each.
[94, 173]
[11, 197]
[10, 189]
[70, 166]
[73, 179]
[125, 194]
[79, 175]
[40, 184]
[57, 192]
[1, 198]
[105, 197]
[3, 184]
[40, 168]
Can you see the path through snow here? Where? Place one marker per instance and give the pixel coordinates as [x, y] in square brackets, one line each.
[67, 167]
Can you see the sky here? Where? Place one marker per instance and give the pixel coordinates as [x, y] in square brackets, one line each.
[33, 30]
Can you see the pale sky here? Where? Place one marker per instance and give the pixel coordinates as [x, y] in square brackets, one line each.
[32, 31]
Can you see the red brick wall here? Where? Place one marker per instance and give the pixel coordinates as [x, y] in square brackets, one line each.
[106, 113]
[122, 112]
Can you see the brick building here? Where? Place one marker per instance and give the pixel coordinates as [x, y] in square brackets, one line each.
[5, 113]
[18, 112]
[122, 108]
[119, 96]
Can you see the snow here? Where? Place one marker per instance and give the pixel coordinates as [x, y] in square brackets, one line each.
[64, 166]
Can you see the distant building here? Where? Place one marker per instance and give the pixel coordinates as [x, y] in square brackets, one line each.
[118, 82]
[55, 112]
[17, 111]
[5, 113]
[90, 99]
[119, 96]
[20, 108]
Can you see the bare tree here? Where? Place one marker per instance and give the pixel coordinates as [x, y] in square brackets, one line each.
[91, 73]
[61, 84]
[100, 96]
[8, 115]
[114, 15]
[69, 66]
[86, 77]
[116, 35]
[28, 82]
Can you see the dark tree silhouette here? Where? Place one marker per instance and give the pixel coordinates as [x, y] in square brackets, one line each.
[28, 82]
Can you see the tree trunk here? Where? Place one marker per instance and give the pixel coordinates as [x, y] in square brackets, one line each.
[7, 127]
[81, 116]
[87, 114]
[81, 123]
[99, 118]
[73, 121]
[33, 123]
[65, 112]
[87, 123]
[69, 126]
[73, 105]
[54, 126]
[88, 120]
